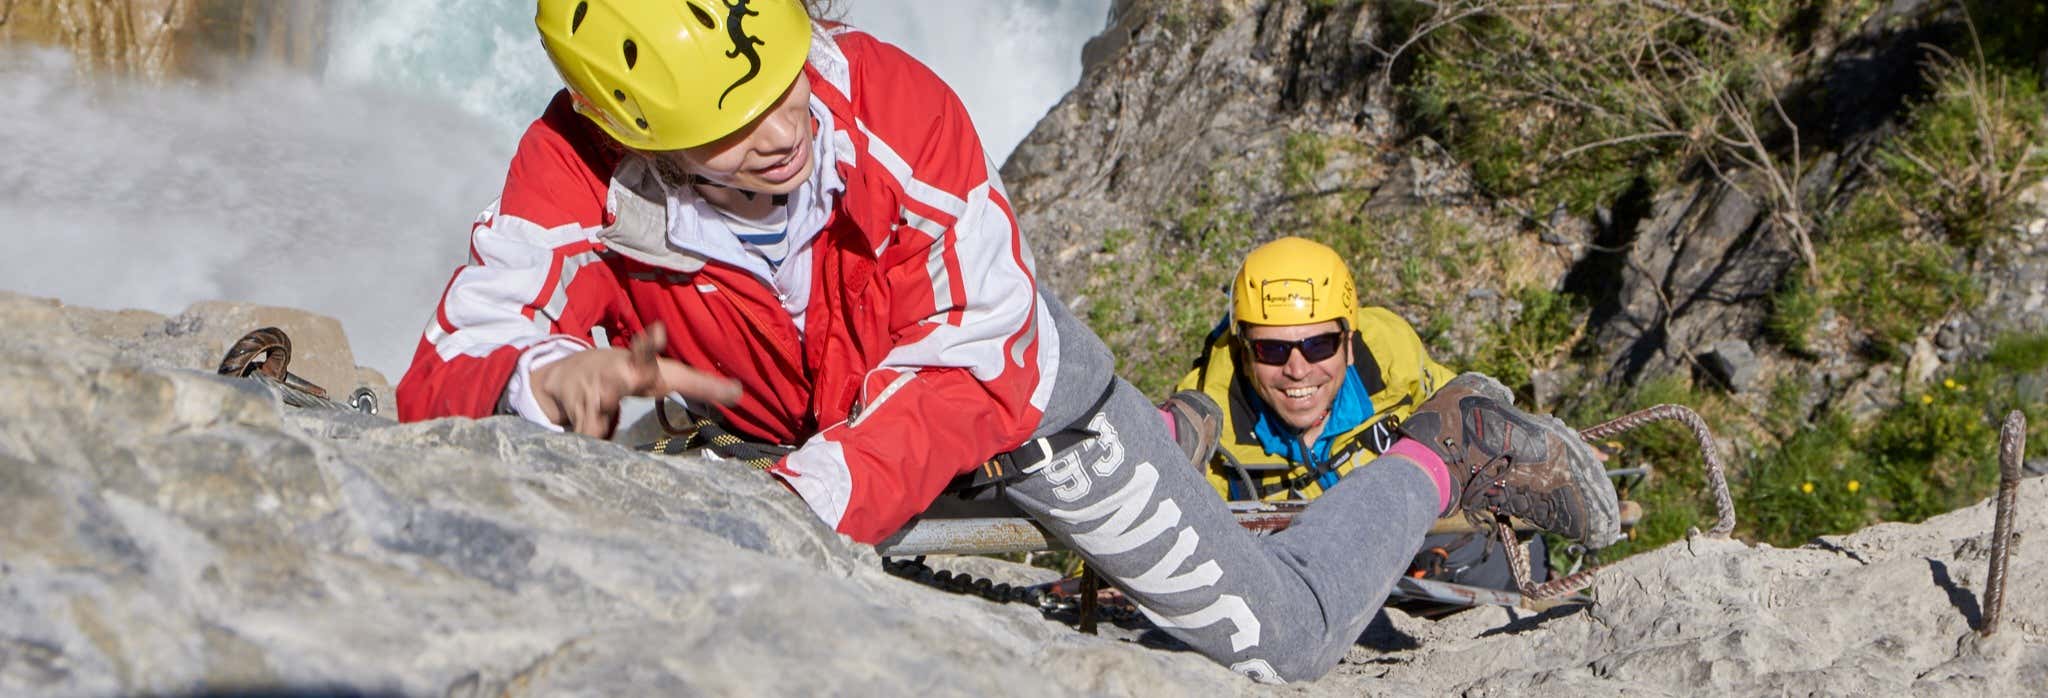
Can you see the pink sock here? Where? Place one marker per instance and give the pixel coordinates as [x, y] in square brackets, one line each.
[1431, 463]
[1172, 430]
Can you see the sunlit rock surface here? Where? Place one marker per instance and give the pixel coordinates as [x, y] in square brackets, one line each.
[167, 530]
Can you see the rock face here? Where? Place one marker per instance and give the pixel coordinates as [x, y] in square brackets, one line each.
[163, 529]
[1173, 91]
[1186, 102]
[199, 336]
[1886, 611]
[159, 39]
[166, 530]
[1186, 106]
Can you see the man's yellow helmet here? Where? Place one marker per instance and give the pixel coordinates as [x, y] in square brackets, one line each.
[1293, 281]
[674, 74]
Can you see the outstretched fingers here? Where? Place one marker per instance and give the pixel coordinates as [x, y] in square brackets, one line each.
[658, 376]
[695, 385]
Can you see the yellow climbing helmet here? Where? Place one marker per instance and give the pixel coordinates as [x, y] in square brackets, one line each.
[674, 74]
[1293, 281]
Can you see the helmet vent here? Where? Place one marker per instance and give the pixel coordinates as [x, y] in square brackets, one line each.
[576, 21]
[619, 95]
[703, 17]
[632, 54]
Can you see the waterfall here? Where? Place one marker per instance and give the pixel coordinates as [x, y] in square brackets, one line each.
[350, 193]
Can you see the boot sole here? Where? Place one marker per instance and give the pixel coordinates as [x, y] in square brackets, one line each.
[1589, 477]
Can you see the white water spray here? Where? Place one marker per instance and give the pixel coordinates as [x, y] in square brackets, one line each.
[351, 194]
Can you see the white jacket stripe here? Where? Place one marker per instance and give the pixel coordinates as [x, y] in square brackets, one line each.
[487, 305]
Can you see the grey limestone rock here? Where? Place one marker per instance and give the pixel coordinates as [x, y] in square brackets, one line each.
[166, 530]
[1733, 363]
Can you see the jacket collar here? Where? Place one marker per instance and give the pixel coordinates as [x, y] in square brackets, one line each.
[668, 225]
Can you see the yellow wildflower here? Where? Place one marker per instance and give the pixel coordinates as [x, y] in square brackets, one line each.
[1949, 383]
[1854, 485]
[1927, 399]
[1806, 488]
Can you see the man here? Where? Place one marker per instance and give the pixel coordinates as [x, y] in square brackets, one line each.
[1312, 386]
[793, 225]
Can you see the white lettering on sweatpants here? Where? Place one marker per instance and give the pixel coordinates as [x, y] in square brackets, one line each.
[1070, 481]
[1121, 532]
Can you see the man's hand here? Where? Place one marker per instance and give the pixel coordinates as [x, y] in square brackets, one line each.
[582, 392]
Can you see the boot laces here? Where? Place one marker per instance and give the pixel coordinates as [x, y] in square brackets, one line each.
[1490, 475]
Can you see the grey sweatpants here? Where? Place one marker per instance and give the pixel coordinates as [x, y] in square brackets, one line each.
[1280, 607]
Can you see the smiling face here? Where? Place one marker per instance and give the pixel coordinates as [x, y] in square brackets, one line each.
[1299, 390]
[772, 155]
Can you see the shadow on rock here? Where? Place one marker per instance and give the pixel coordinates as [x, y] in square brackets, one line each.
[1961, 598]
[1381, 635]
[1524, 624]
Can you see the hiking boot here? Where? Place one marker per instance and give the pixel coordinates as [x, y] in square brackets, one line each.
[1197, 422]
[1506, 461]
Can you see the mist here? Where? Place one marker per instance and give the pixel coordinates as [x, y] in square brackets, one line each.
[350, 194]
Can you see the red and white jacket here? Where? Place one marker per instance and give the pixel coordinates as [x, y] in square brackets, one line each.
[924, 348]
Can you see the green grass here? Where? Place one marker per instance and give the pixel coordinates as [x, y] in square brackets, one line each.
[1153, 298]
[1303, 157]
[1805, 487]
[1540, 337]
[1933, 452]
[1795, 309]
[2019, 354]
[1889, 284]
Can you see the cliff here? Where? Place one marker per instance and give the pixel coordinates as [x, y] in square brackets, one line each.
[163, 39]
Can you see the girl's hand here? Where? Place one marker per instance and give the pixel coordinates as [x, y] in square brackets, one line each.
[582, 392]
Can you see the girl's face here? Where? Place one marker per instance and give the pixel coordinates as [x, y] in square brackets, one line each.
[772, 155]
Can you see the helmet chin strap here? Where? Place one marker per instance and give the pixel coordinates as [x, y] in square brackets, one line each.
[701, 180]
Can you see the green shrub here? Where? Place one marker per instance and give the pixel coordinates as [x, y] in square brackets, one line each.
[1541, 337]
[1968, 150]
[1571, 103]
[1811, 485]
[1931, 454]
[1887, 282]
